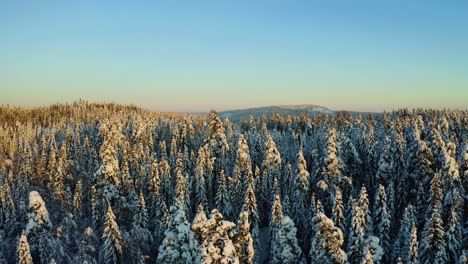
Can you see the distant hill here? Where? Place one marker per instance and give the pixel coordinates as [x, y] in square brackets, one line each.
[270, 110]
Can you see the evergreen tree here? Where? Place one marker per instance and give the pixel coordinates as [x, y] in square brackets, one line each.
[243, 240]
[24, 256]
[38, 216]
[364, 206]
[77, 200]
[454, 236]
[271, 170]
[200, 181]
[338, 210]
[284, 246]
[413, 249]
[326, 242]
[179, 244]
[218, 246]
[223, 201]
[301, 188]
[433, 246]
[382, 221]
[198, 225]
[402, 243]
[386, 168]
[331, 173]
[357, 242]
[111, 250]
[140, 232]
[87, 247]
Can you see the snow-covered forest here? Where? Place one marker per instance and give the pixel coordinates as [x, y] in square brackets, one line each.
[106, 183]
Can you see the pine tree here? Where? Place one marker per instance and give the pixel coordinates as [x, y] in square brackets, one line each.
[332, 166]
[77, 200]
[87, 247]
[326, 242]
[367, 256]
[38, 216]
[59, 188]
[364, 205]
[9, 209]
[24, 255]
[108, 173]
[223, 201]
[386, 168]
[218, 246]
[140, 232]
[111, 250]
[181, 191]
[433, 245]
[402, 242]
[179, 244]
[284, 246]
[413, 248]
[250, 202]
[198, 225]
[271, 170]
[200, 181]
[243, 240]
[301, 188]
[95, 215]
[337, 211]
[382, 221]
[276, 212]
[356, 241]
[454, 236]
[243, 161]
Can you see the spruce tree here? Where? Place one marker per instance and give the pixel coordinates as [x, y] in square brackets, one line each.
[179, 245]
[326, 242]
[433, 245]
[111, 250]
[24, 255]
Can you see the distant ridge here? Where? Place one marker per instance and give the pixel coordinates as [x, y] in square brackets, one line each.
[257, 112]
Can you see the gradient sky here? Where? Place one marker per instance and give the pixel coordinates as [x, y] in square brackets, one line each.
[199, 55]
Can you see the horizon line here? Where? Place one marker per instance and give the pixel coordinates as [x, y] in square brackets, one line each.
[155, 109]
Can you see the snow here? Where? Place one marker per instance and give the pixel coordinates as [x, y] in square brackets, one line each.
[38, 217]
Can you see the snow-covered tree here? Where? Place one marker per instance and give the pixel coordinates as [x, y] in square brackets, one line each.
[332, 166]
[77, 199]
[111, 250]
[284, 246]
[24, 255]
[271, 169]
[413, 248]
[432, 247]
[403, 239]
[87, 247]
[356, 240]
[200, 181]
[243, 240]
[139, 231]
[179, 244]
[222, 199]
[338, 210]
[454, 236]
[382, 221]
[198, 224]
[38, 216]
[301, 188]
[217, 245]
[327, 241]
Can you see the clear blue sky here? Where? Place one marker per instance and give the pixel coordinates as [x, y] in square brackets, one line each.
[198, 55]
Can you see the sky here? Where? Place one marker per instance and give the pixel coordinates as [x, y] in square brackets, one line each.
[200, 55]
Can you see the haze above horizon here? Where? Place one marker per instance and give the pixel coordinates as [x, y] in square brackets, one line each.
[169, 56]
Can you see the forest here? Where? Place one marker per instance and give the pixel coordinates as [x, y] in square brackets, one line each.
[108, 183]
